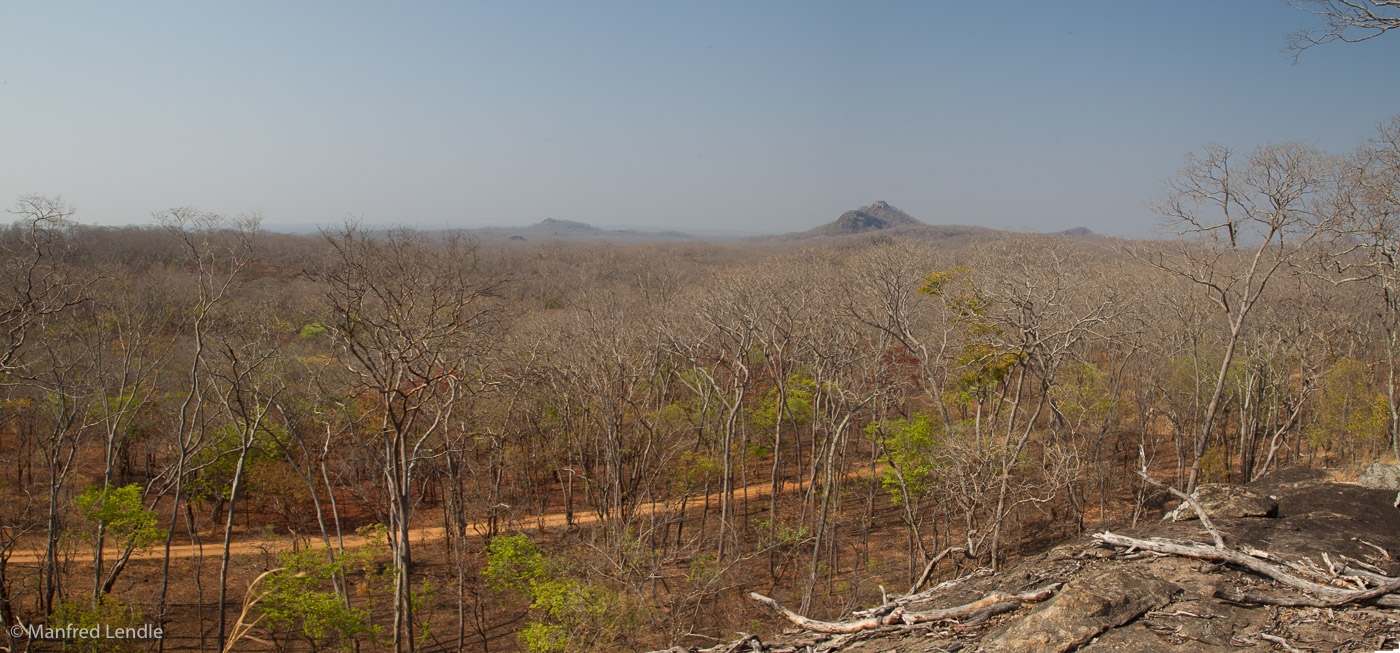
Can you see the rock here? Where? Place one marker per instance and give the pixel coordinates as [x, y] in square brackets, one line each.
[1137, 638]
[1083, 609]
[1381, 476]
[1223, 501]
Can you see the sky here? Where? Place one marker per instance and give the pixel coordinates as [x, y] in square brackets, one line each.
[746, 116]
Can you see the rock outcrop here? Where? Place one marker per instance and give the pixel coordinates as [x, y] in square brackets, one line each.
[1381, 476]
[1086, 607]
[1327, 539]
[1222, 501]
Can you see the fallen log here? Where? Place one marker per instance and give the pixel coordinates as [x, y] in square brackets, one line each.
[925, 595]
[1195, 505]
[831, 627]
[965, 610]
[996, 601]
[1329, 596]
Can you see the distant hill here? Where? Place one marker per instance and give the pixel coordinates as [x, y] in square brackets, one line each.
[564, 227]
[552, 229]
[880, 220]
[875, 217]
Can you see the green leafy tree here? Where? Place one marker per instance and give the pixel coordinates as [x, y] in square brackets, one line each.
[105, 616]
[303, 598]
[1352, 417]
[123, 514]
[573, 615]
[911, 450]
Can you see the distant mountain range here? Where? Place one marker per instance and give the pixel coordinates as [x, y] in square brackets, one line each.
[879, 218]
[883, 219]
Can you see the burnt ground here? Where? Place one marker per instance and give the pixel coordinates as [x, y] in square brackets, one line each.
[1116, 600]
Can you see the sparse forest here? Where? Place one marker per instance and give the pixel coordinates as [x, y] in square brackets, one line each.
[403, 440]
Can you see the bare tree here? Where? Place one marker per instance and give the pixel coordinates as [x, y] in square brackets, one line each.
[1240, 220]
[1348, 21]
[217, 256]
[1369, 247]
[35, 280]
[408, 312]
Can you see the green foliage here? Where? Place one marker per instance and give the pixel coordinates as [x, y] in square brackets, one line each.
[123, 515]
[692, 468]
[936, 284]
[1351, 415]
[119, 407]
[513, 562]
[1082, 398]
[983, 367]
[573, 614]
[796, 410]
[1214, 467]
[544, 638]
[911, 448]
[302, 598]
[218, 460]
[779, 534]
[674, 415]
[313, 331]
[1185, 383]
[107, 615]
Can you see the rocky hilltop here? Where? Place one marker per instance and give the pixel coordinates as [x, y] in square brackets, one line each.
[1293, 562]
[881, 219]
[873, 217]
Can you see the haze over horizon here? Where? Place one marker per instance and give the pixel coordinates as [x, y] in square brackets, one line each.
[756, 117]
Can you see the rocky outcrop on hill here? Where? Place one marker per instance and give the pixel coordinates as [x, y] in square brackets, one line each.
[874, 217]
[1222, 501]
[1299, 564]
[1381, 476]
[1087, 606]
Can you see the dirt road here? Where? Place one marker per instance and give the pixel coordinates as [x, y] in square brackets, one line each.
[552, 520]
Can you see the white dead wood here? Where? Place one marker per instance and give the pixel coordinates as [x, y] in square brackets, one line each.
[1281, 642]
[899, 615]
[1195, 505]
[928, 569]
[1328, 596]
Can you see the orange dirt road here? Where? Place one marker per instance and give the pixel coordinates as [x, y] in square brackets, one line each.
[256, 545]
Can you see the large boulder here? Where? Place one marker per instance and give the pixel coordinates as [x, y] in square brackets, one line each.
[1086, 607]
[1222, 501]
[1381, 476]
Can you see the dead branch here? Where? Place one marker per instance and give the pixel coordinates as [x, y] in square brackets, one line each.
[1281, 642]
[928, 569]
[1385, 555]
[891, 604]
[1189, 500]
[1366, 574]
[1181, 613]
[899, 615]
[1330, 596]
[751, 641]
[834, 627]
[1033, 596]
[1000, 607]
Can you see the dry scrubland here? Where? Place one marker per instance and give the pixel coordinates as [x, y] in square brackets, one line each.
[411, 441]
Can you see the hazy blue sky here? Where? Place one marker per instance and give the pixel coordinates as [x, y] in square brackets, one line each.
[759, 116]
